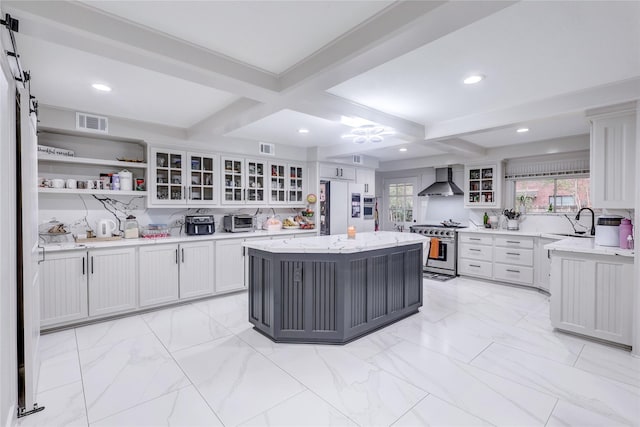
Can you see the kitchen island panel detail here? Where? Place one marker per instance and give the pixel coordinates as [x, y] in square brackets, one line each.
[332, 298]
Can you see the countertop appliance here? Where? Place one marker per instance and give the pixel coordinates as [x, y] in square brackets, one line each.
[106, 228]
[238, 223]
[198, 225]
[440, 257]
[608, 230]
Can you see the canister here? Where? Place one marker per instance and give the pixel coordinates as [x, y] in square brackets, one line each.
[126, 180]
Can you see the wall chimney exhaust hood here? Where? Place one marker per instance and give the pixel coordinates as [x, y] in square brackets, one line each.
[444, 185]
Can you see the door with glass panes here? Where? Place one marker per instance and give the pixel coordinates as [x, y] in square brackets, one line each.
[202, 183]
[167, 186]
[232, 180]
[255, 175]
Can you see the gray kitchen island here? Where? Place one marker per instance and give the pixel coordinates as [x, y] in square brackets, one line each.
[332, 289]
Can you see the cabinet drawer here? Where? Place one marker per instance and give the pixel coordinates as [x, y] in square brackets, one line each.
[513, 273]
[525, 242]
[514, 256]
[471, 251]
[476, 238]
[475, 268]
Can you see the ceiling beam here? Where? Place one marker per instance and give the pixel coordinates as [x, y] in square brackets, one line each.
[81, 27]
[451, 145]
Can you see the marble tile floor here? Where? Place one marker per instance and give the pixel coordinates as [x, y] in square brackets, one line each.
[476, 354]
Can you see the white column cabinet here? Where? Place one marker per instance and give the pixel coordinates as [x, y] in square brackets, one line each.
[229, 265]
[613, 145]
[112, 281]
[63, 294]
[367, 177]
[196, 269]
[158, 281]
[337, 171]
[592, 295]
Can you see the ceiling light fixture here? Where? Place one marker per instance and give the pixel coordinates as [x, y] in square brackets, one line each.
[303, 130]
[355, 122]
[101, 87]
[522, 130]
[368, 133]
[402, 149]
[473, 79]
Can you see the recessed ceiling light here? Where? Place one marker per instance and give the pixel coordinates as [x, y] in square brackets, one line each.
[522, 130]
[402, 149]
[101, 87]
[303, 130]
[473, 79]
[355, 122]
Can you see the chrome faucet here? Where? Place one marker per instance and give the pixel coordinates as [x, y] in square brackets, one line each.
[593, 219]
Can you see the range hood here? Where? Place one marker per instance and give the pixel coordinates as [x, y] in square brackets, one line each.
[444, 185]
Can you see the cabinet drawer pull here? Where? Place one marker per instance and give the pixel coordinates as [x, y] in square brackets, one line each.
[91, 264]
[182, 255]
[513, 271]
[475, 250]
[474, 265]
[513, 253]
[176, 256]
[43, 254]
[513, 241]
[474, 238]
[83, 260]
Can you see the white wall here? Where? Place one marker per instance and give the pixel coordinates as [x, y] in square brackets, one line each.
[636, 281]
[8, 348]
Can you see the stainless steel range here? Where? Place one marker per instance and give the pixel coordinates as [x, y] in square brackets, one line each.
[441, 250]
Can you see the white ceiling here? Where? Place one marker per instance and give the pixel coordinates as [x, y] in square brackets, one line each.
[260, 70]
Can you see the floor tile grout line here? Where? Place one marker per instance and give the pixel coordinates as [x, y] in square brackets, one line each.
[410, 409]
[578, 358]
[186, 376]
[84, 394]
[551, 413]
[481, 351]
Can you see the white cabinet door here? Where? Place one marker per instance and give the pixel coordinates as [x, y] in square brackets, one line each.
[367, 177]
[256, 182]
[296, 187]
[483, 185]
[336, 171]
[613, 145]
[167, 177]
[112, 281]
[158, 282]
[196, 269]
[229, 265]
[543, 264]
[592, 295]
[202, 183]
[233, 180]
[63, 295]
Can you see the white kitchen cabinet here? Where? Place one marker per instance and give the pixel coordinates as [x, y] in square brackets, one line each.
[475, 255]
[543, 263]
[181, 178]
[592, 295]
[337, 171]
[229, 265]
[367, 177]
[287, 184]
[483, 185]
[243, 181]
[158, 281]
[613, 147]
[112, 281]
[63, 290]
[196, 269]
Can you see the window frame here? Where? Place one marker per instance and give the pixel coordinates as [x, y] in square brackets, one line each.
[389, 225]
[511, 190]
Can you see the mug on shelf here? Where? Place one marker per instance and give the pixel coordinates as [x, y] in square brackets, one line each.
[71, 183]
[57, 183]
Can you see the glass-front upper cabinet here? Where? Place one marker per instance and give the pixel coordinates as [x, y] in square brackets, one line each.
[286, 184]
[167, 177]
[483, 185]
[255, 181]
[202, 182]
[182, 178]
[233, 180]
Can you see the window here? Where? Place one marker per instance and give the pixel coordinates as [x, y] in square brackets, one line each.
[400, 203]
[552, 194]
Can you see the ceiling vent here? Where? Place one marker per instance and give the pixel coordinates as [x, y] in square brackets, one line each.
[92, 123]
[268, 149]
[357, 159]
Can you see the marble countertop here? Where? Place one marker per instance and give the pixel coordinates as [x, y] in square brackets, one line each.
[587, 246]
[338, 243]
[67, 246]
[548, 235]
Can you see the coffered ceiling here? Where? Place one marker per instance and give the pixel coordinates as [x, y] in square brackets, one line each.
[261, 70]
